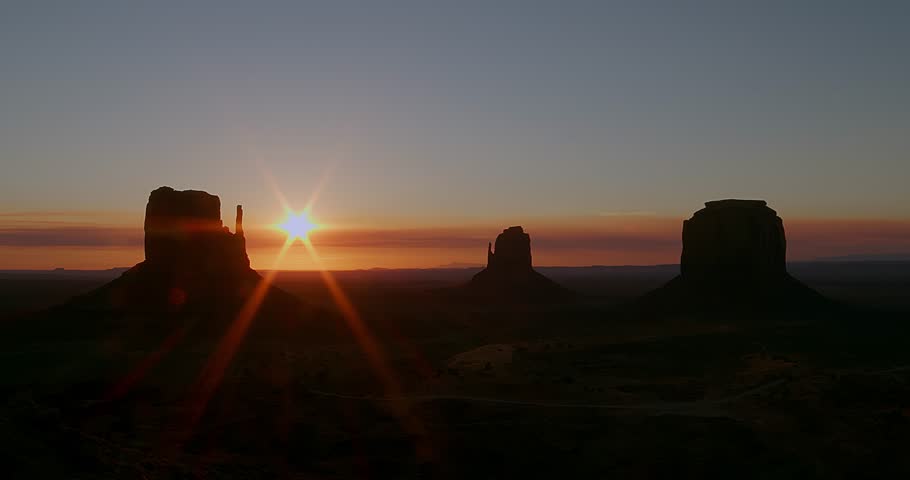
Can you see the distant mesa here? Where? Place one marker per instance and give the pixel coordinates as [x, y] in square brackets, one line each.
[509, 273]
[734, 253]
[192, 261]
[459, 265]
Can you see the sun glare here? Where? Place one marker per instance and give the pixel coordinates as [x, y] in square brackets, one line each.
[297, 225]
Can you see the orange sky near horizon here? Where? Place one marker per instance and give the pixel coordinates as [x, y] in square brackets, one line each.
[100, 240]
[425, 128]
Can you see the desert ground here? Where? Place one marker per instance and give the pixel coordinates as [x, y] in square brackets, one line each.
[436, 388]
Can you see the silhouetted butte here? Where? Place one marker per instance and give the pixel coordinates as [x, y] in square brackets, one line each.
[509, 274]
[192, 261]
[734, 254]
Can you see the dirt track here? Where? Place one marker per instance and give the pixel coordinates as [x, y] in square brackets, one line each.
[703, 405]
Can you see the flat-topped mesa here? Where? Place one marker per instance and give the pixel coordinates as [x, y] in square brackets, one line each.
[733, 259]
[734, 239]
[736, 202]
[513, 251]
[184, 232]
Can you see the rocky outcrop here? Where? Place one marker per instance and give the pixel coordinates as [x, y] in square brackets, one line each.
[184, 232]
[509, 274]
[734, 254]
[733, 239]
[192, 261]
[513, 251]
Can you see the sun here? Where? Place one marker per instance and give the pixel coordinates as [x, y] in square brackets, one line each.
[297, 225]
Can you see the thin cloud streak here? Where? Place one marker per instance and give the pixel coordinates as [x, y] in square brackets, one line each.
[66, 236]
[423, 238]
[807, 238]
[634, 213]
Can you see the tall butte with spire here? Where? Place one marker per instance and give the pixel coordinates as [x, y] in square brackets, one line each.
[192, 260]
[184, 234]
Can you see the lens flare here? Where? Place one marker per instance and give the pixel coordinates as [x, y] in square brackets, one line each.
[298, 225]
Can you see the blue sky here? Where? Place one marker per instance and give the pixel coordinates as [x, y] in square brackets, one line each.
[442, 112]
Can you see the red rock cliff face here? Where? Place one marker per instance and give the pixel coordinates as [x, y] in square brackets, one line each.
[184, 232]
